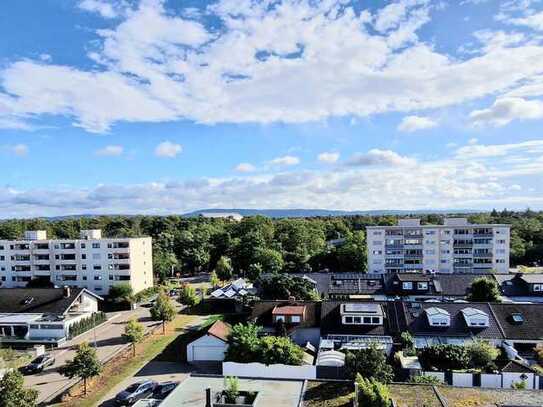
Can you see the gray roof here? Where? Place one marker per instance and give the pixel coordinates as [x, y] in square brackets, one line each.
[38, 300]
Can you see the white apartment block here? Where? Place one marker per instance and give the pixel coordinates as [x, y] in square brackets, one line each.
[454, 247]
[90, 262]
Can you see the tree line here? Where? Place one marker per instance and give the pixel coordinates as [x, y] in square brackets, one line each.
[258, 244]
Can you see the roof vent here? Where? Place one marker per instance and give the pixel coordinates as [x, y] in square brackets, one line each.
[28, 301]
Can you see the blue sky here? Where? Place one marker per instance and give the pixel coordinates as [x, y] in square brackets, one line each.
[149, 106]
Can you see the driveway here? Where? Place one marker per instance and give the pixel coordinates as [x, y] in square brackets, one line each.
[108, 340]
[158, 371]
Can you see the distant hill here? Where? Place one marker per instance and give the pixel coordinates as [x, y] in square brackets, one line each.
[307, 213]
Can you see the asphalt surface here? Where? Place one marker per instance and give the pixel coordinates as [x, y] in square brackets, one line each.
[108, 339]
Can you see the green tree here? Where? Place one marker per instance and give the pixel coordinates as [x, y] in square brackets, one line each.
[224, 268]
[280, 350]
[351, 256]
[84, 365]
[371, 393]
[163, 310]
[254, 272]
[163, 264]
[283, 286]
[188, 296]
[482, 353]
[214, 279]
[444, 357]
[134, 332]
[14, 394]
[271, 260]
[244, 343]
[121, 293]
[370, 363]
[484, 290]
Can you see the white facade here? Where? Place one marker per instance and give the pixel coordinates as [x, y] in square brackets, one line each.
[206, 348]
[454, 247]
[89, 262]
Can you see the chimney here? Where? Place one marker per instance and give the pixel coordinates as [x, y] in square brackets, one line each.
[208, 397]
[66, 291]
[292, 299]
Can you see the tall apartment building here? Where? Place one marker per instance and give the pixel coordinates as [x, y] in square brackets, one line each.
[454, 247]
[90, 262]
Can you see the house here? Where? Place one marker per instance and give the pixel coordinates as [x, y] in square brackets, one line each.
[447, 323]
[235, 290]
[211, 346]
[357, 286]
[300, 319]
[43, 315]
[521, 287]
[355, 325]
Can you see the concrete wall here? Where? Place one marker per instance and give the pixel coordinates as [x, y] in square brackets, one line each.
[462, 379]
[491, 381]
[260, 370]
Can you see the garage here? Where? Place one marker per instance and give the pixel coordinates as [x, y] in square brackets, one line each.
[211, 346]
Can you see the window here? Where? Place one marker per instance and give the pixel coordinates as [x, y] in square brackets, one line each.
[357, 320]
[295, 319]
[377, 233]
[375, 320]
[280, 318]
[501, 261]
[430, 232]
[407, 285]
[83, 267]
[422, 285]
[96, 278]
[2, 258]
[83, 246]
[97, 267]
[430, 252]
[96, 245]
[84, 278]
[348, 320]
[367, 320]
[377, 242]
[379, 252]
[538, 287]
[97, 288]
[83, 256]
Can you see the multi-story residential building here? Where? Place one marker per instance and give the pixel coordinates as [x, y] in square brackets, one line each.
[454, 247]
[91, 262]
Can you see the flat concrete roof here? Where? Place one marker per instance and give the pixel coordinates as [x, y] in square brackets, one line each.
[272, 393]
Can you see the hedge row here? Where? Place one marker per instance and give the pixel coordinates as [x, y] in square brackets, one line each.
[85, 324]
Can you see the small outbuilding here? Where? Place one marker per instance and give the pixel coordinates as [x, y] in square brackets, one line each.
[212, 346]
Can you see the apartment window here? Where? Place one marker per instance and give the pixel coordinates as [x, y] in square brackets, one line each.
[377, 261]
[111, 277]
[3, 278]
[96, 278]
[2, 258]
[378, 252]
[377, 242]
[407, 285]
[348, 320]
[377, 233]
[83, 267]
[96, 245]
[444, 261]
[83, 256]
[83, 246]
[500, 251]
[3, 268]
[97, 288]
[84, 278]
[501, 261]
[1, 247]
[97, 267]
[422, 285]
[430, 232]
[430, 252]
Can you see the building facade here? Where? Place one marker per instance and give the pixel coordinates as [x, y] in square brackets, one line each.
[90, 262]
[454, 247]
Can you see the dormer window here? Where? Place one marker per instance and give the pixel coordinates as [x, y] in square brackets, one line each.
[538, 287]
[361, 314]
[422, 285]
[407, 285]
[475, 318]
[438, 317]
[279, 318]
[289, 314]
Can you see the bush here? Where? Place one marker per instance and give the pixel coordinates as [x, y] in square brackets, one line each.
[484, 290]
[521, 385]
[445, 357]
[281, 350]
[369, 363]
[371, 393]
[231, 390]
[482, 354]
[86, 324]
[188, 296]
[424, 380]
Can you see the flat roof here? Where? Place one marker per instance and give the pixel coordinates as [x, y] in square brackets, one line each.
[271, 393]
[469, 225]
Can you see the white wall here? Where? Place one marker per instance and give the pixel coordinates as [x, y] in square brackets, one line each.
[306, 372]
[492, 381]
[462, 379]
[510, 378]
[439, 375]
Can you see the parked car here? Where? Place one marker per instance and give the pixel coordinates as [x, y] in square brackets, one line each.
[135, 392]
[163, 389]
[38, 364]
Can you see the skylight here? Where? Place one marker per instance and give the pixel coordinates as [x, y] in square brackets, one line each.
[517, 318]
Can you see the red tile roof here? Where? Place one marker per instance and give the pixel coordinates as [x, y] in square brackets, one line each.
[220, 330]
[289, 310]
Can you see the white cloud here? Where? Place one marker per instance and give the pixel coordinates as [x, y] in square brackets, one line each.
[264, 64]
[167, 149]
[328, 157]
[379, 157]
[410, 124]
[505, 110]
[107, 9]
[500, 150]
[20, 150]
[285, 160]
[245, 167]
[110, 151]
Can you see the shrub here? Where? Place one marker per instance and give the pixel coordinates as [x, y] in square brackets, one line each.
[424, 380]
[521, 385]
[484, 290]
[188, 296]
[275, 349]
[369, 363]
[445, 357]
[482, 354]
[86, 324]
[231, 390]
[371, 393]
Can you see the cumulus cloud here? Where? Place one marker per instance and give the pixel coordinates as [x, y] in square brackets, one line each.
[410, 124]
[107, 9]
[262, 64]
[167, 149]
[499, 150]
[505, 110]
[379, 157]
[285, 160]
[478, 182]
[245, 167]
[328, 157]
[110, 151]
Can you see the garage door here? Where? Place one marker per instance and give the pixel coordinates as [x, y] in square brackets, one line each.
[208, 353]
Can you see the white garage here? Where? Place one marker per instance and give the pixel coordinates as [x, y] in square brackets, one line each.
[210, 347]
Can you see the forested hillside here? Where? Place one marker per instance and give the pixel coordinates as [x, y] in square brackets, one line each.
[258, 244]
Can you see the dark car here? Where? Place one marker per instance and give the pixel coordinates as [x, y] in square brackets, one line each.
[135, 392]
[38, 364]
[163, 389]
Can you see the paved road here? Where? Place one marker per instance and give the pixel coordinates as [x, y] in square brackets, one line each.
[108, 341]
